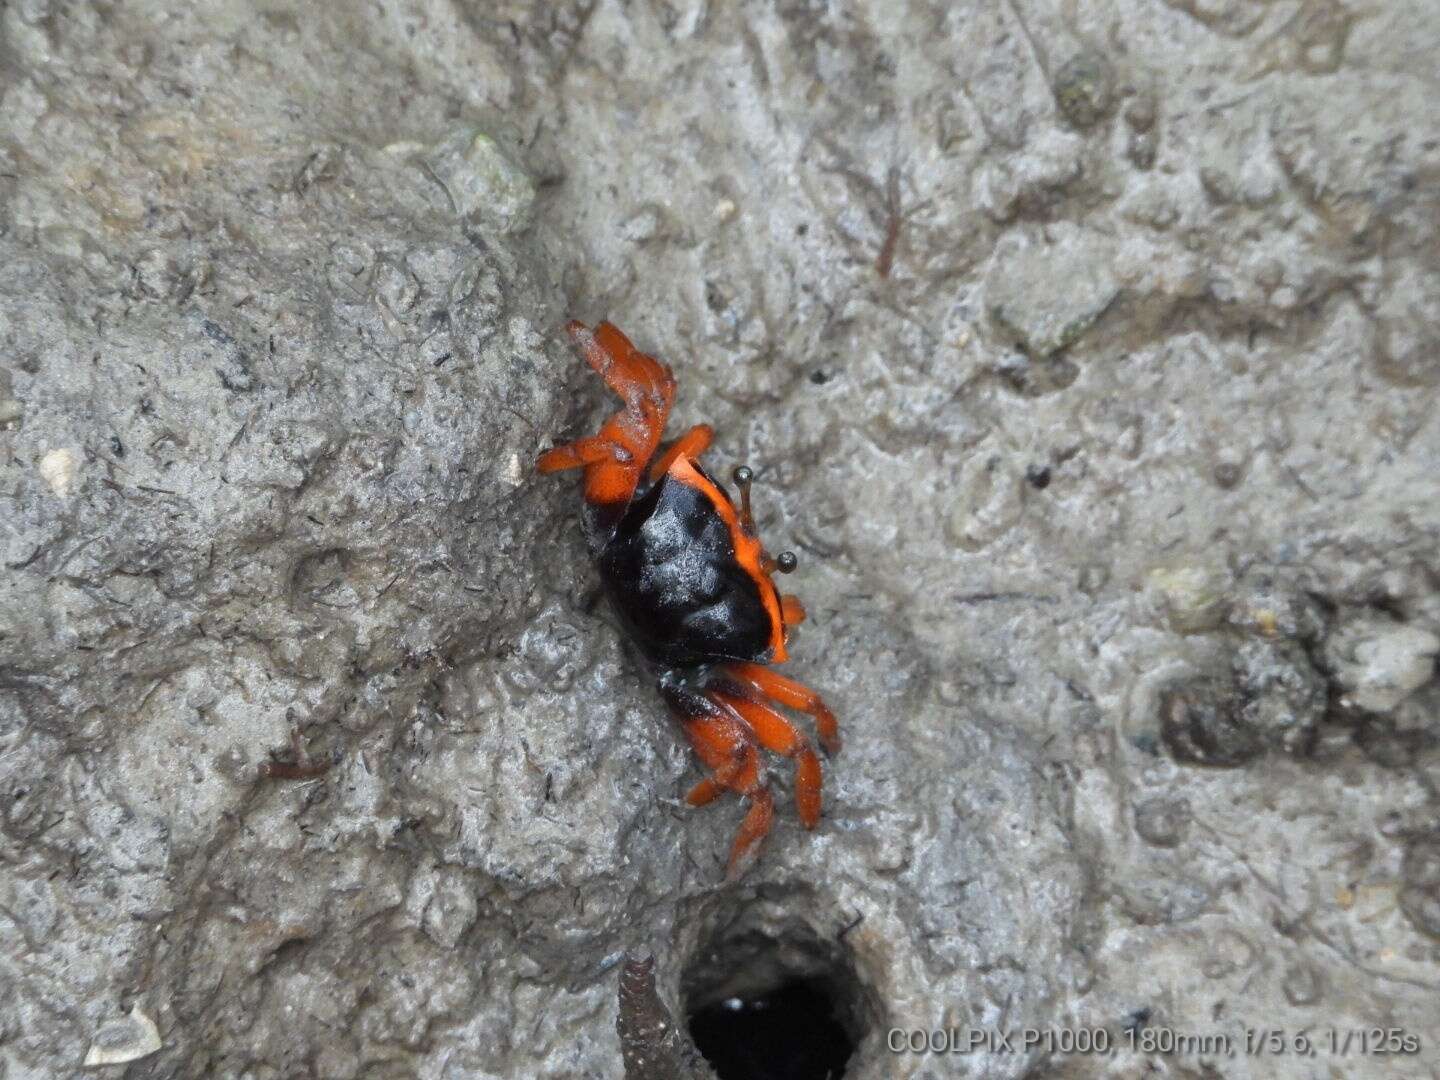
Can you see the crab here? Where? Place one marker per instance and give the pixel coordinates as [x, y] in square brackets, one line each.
[693, 589]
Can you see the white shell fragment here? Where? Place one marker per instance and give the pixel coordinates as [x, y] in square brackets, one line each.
[128, 1039]
[59, 468]
[514, 473]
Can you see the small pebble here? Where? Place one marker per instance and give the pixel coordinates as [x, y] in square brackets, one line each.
[1301, 984]
[1083, 89]
[1385, 664]
[1192, 596]
[1162, 820]
[59, 468]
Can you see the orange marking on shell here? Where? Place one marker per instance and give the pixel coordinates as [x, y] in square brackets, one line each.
[748, 551]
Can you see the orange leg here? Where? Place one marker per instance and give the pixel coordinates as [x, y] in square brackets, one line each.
[792, 695]
[706, 791]
[744, 777]
[625, 369]
[725, 744]
[614, 459]
[791, 610]
[753, 829]
[690, 445]
[779, 735]
[580, 454]
[727, 776]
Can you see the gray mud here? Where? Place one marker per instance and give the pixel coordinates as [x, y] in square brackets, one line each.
[1087, 354]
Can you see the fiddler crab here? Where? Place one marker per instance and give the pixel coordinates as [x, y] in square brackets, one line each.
[693, 588]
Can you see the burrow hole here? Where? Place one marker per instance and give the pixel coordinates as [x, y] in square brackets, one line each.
[776, 1000]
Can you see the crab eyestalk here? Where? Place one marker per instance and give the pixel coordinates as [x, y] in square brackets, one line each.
[783, 563]
[743, 477]
[786, 561]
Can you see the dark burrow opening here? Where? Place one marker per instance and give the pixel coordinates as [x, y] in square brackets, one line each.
[788, 1033]
[775, 1003]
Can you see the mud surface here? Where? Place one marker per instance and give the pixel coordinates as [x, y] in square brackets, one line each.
[1087, 354]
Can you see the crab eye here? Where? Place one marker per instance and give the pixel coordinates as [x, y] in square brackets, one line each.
[786, 561]
[743, 475]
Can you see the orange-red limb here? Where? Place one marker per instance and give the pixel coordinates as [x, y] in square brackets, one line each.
[626, 370]
[792, 695]
[630, 436]
[727, 746]
[713, 741]
[707, 790]
[712, 787]
[690, 445]
[579, 454]
[753, 830]
[791, 610]
[778, 734]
